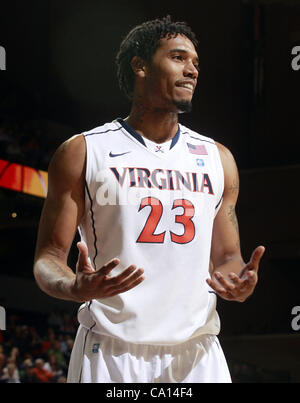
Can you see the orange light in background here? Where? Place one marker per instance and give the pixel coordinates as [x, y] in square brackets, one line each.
[24, 179]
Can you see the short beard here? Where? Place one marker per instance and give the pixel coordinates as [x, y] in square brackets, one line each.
[183, 106]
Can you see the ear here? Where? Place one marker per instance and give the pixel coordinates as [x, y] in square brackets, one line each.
[138, 66]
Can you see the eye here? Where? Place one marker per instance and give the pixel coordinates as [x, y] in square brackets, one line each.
[177, 57]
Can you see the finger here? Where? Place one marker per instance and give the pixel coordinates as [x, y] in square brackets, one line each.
[255, 258]
[242, 284]
[220, 291]
[217, 288]
[235, 279]
[233, 288]
[120, 282]
[136, 276]
[83, 263]
[251, 278]
[117, 280]
[227, 285]
[126, 286]
[83, 251]
[108, 267]
[228, 289]
[223, 293]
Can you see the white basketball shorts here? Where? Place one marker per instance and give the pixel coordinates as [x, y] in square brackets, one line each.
[102, 359]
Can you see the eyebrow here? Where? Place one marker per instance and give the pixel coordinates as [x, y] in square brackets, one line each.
[182, 51]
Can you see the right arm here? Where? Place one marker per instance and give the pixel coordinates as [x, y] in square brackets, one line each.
[61, 215]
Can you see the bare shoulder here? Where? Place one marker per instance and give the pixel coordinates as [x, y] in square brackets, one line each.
[69, 151]
[231, 175]
[67, 165]
[225, 154]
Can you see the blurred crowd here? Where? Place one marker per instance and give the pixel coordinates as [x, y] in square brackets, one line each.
[37, 353]
[243, 372]
[23, 142]
[40, 352]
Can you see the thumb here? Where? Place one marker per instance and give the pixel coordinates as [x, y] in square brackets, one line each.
[253, 264]
[255, 258]
[83, 263]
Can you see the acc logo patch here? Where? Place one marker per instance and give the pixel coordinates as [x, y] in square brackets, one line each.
[200, 162]
[95, 348]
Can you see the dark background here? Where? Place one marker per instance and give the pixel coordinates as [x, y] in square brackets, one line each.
[60, 79]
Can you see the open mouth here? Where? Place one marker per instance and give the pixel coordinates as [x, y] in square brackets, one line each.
[186, 86]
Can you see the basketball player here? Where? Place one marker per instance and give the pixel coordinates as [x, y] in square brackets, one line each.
[155, 205]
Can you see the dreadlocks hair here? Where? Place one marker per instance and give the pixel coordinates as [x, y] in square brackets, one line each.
[143, 41]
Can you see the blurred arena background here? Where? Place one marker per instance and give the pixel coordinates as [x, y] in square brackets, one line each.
[60, 79]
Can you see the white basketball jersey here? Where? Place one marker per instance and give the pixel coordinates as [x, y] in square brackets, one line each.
[152, 205]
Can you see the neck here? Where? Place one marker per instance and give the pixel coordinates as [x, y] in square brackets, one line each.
[156, 124]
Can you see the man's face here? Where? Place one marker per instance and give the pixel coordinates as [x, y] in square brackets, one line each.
[171, 78]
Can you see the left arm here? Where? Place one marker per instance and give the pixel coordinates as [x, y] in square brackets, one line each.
[231, 277]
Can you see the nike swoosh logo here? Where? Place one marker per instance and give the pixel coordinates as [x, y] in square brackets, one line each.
[118, 155]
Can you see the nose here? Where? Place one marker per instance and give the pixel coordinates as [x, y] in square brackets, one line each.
[191, 70]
